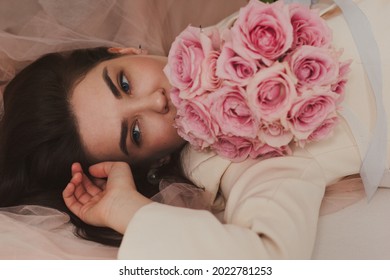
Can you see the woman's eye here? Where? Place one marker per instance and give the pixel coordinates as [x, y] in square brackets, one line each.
[136, 134]
[124, 83]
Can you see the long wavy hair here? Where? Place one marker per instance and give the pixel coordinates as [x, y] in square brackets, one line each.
[39, 138]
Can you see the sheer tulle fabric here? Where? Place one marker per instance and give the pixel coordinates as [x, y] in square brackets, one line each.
[35, 232]
[30, 29]
[183, 195]
[337, 196]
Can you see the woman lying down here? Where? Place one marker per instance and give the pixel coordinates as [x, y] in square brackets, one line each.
[251, 125]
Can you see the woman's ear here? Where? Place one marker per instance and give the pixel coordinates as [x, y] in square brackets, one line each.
[130, 50]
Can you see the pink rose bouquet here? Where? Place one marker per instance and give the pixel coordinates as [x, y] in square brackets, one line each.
[253, 89]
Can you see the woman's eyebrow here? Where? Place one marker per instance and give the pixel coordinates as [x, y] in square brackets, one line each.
[114, 90]
[123, 137]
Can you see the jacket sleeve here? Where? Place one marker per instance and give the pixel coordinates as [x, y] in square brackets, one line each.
[271, 213]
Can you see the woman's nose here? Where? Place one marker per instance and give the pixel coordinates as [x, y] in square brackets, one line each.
[156, 101]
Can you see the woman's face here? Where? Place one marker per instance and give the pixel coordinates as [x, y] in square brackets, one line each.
[124, 111]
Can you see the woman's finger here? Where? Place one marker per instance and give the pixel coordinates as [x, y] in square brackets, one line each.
[90, 186]
[68, 192]
[76, 167]
[82, 192]
[76, 178]
[70, 200]
[112, 169]
[79, 177]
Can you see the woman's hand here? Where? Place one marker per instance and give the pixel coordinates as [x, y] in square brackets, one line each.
[111, 205]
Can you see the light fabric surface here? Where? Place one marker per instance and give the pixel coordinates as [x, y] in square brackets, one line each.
[35, 232]
[358, 232]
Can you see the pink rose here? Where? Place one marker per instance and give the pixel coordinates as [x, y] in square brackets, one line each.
[309, 112]
[262, 31]
[309, 28]
[185, 60]
[275, 134]
[174, 95]
[195, 124]
[271, 92]
[325, 129]
[234, 68]
[265, 151]
[339, 86]
[210, 39]
[234, 148]
[231, 112]
[313, 66]
[209, 80]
